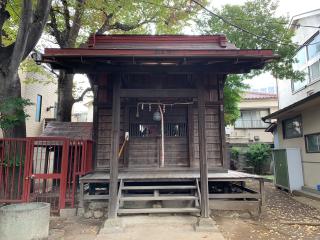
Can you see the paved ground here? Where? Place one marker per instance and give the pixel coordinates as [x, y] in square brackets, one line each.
[160, 228]
[285, 218]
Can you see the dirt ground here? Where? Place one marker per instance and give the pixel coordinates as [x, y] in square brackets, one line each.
[278, 220]
[284, 217]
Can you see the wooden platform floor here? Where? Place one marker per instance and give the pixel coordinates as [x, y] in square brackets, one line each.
[172, 174]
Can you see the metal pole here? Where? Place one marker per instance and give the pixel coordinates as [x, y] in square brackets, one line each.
[162, 138]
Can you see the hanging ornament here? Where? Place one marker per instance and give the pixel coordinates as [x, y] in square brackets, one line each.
[149, 107]
[142, 105]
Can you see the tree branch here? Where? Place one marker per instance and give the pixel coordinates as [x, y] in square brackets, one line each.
[79, 99]
[128, 27]
[66, 15]
[74, 31]
[54, 27]
[40, 17]
[106, 24]
[4, 16]
[121, 26]
[22, 36]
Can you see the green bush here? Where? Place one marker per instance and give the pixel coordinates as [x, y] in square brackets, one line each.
[235, 152]
[257, 156]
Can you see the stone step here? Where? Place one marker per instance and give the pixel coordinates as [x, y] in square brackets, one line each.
[157, 210]
[167, 187]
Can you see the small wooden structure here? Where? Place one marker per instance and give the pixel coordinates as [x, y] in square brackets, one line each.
[166, 94]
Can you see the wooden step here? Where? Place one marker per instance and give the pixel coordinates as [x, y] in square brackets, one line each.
[158, 198]
[157, 210]
[167, 187]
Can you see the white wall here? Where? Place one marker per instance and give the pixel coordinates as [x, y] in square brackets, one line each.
[49, 98]
[310, 161]
[302, 34]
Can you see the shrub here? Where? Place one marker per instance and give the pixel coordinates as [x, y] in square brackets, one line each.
[257, 156]
[235, 152]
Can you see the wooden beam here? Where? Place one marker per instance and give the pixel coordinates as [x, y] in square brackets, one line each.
[203, 150]
[89, 67]
[115, 134]
[158, 93]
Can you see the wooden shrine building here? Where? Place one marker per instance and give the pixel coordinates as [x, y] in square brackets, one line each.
[158, 113]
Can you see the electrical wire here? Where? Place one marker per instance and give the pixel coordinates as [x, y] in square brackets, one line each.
[281, 23]
[247, 31]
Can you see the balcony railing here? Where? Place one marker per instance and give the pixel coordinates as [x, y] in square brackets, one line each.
[242, 123]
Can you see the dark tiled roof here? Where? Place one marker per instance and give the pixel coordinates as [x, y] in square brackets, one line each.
[72, 130]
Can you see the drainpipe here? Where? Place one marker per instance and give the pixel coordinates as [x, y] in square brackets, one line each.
[162, 138]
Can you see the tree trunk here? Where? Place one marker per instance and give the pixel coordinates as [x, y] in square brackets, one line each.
[12, 89]
[65, 98]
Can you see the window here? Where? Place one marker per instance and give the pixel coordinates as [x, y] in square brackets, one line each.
[144, 130]
[175, 129]
[154, 130]
[252, 119]
[308, 58]
[292, 128]
[312, 143]
[314, 71]
[314, 47]
[38, 108]
[298, 84]
[301, 57]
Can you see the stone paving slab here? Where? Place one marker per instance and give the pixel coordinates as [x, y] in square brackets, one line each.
[159, 228]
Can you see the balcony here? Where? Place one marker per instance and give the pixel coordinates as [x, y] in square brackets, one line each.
[250, 123]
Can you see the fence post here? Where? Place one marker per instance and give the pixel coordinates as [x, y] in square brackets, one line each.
[64, 173]
[27, 170]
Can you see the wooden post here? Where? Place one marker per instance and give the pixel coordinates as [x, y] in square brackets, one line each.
[225, 160]
[95, 125]
[115, 134]
[191, 136]
[203, 151]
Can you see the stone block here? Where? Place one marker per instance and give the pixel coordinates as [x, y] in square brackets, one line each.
[205, 225]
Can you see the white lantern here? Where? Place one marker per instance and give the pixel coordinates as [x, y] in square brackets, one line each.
[156, 116]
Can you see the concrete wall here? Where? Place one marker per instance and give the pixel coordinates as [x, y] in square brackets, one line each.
[49, 98]
[310, 161]
[243, 136]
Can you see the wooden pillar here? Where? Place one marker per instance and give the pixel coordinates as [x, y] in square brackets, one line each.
[114, 163]
[225, 161]
[203, 150]
[95, 125]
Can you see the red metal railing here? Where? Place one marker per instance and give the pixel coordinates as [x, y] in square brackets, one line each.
[45, 169]
[12, 170]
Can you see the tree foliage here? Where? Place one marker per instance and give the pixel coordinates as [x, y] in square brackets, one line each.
[233, 91]
[71, 23]
[258, 154]
[12, 113]
[20, 30]
[258, 17]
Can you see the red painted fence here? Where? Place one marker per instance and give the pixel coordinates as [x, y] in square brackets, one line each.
[44, 169]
